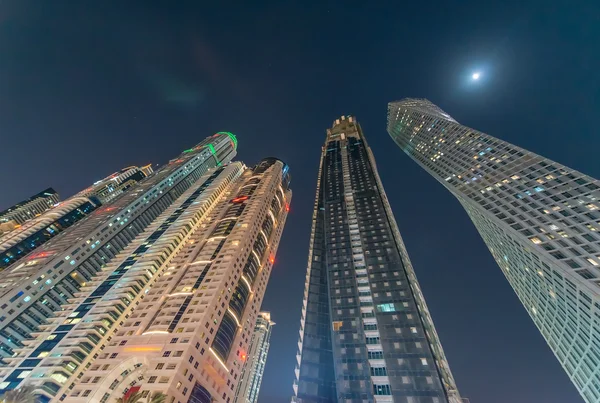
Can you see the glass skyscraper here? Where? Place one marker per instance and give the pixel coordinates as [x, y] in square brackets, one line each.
[366, 334]
[539, 219]
[249, 386]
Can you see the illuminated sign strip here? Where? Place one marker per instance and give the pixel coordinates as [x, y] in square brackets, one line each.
[139, 349]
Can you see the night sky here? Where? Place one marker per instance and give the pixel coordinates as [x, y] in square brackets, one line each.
[89, 87]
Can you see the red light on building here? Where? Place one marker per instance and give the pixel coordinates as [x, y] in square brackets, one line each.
[287, 207]
[239, 199]
[272, 259]
[41, 255]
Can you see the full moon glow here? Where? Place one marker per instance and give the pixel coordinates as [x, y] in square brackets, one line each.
[476, 76]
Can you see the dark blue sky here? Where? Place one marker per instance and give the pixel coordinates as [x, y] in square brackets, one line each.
[89, 87]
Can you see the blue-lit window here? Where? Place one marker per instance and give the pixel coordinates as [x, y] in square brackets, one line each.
[390, 307]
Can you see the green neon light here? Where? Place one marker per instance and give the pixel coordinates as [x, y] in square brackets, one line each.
[188, 151]
[232, 137]
[214, 153]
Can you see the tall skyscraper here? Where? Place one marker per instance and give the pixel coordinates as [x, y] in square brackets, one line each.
[111, 187]
[29, 208]
[254, 367]
[366, 333]
[35, 287]
[37, 230]
[539, 219]
[19, 242]
[175, 310]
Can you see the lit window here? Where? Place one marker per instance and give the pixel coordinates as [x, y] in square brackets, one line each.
[59, 377]
[386, 307]
[535, 240]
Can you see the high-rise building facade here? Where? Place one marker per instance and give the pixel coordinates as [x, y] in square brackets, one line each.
[30, 208]
[35, 287]
[28, 236]
[174, 311]
[248, 388]
[19, 242]
[111, 187]
[539, 219]
[366, 334]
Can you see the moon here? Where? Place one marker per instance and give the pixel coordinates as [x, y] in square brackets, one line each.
[476, 76]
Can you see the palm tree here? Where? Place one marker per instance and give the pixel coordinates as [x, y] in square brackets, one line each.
[22, 395]
[156, 398]
[136, 397]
